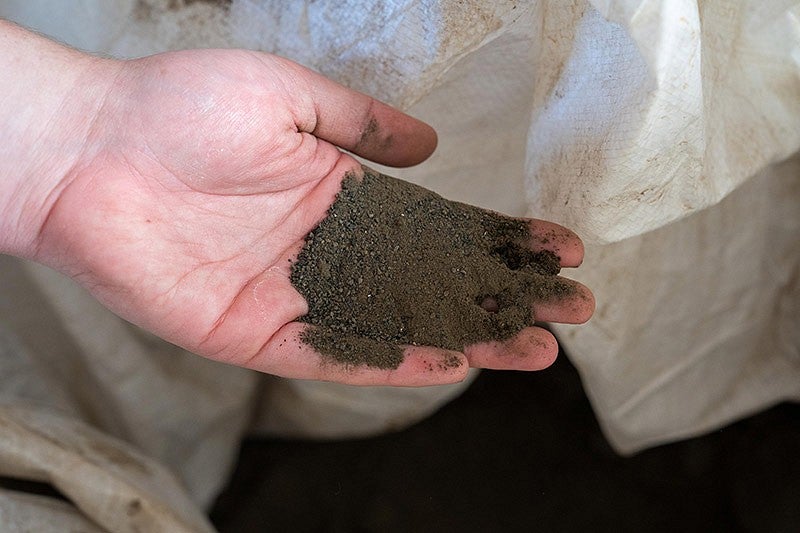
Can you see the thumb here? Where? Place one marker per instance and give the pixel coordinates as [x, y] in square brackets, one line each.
[359, 123]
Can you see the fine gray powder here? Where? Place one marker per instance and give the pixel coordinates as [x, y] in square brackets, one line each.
[393, 263]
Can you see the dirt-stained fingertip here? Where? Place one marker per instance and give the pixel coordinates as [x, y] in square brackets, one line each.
[577, 307]
[531, 349]
[358, 123]
[395, 139]
[563, 242]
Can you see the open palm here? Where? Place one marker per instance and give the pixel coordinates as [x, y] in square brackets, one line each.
[203, 173]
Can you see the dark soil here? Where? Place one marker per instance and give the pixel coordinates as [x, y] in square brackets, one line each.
[395, 264]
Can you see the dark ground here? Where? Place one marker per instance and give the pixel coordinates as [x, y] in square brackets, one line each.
[520, 452]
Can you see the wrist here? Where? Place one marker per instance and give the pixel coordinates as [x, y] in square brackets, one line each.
[48, 104]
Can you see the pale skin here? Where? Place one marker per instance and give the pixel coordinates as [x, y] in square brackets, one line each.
[177, 187]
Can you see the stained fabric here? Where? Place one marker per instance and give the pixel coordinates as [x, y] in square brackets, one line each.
[665, 133]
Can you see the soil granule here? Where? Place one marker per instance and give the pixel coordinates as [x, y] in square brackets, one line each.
[395, 264]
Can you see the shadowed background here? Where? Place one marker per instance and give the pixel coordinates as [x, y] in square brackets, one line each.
[520, 452]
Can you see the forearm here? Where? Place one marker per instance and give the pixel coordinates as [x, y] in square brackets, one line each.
[49, 97]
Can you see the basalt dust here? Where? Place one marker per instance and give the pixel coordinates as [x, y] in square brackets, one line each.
[395, 264]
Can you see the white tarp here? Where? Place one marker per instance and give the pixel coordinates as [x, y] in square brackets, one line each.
[656, 130]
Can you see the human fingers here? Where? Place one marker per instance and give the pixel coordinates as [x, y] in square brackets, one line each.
[532, 348]
[563, 242]
[287, 354]
[574, 306]
[359, 123]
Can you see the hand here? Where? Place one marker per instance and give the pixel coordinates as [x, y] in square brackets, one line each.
[200, 175]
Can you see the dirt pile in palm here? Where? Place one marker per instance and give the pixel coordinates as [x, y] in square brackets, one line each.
[394, 263]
